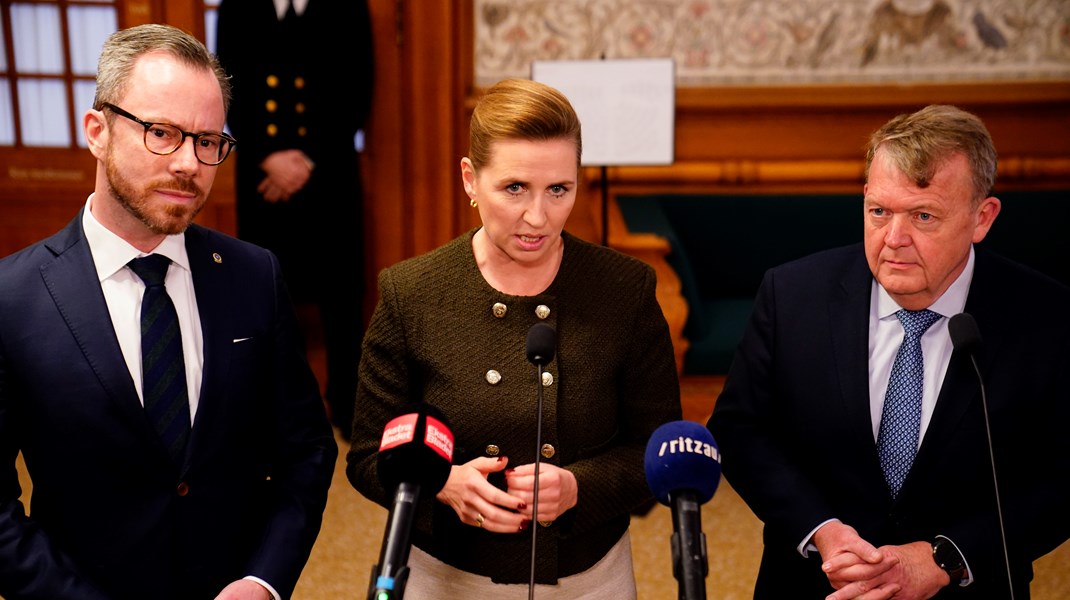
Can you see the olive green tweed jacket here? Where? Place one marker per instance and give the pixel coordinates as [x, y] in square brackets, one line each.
[436, 337]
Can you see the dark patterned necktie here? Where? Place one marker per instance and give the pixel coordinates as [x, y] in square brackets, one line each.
[897, 439]
[163, 372]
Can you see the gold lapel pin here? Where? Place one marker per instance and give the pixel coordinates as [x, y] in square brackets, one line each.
[217, 258]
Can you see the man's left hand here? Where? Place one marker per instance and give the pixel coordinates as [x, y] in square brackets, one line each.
[913, 576]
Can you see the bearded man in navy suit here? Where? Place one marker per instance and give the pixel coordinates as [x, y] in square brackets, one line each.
[232, 510]
[856, 503]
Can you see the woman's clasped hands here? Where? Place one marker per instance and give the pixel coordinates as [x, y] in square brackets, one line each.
[479, 503]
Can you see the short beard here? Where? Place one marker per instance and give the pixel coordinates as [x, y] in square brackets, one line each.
[167, 220]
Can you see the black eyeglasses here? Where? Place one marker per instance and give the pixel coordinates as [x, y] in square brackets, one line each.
[163, 139]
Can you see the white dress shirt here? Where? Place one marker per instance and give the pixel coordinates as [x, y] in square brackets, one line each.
[886, 335]
[123, 290]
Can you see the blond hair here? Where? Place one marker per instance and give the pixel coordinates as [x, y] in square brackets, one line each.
[919, 143]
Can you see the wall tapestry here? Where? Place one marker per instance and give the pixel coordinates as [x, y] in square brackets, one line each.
[784, 42]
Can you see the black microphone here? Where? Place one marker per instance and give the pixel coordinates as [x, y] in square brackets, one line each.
[542, 342]
[966, 337]
[683, 469]
[541, 346]
[415, 456]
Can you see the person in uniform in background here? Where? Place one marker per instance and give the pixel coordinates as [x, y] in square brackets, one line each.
[302, 73]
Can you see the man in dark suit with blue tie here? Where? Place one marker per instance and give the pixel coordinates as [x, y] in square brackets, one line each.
[151, 371]
[854, 427]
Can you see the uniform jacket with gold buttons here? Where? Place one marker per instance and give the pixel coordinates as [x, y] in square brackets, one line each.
[300, 84]
[443, 335]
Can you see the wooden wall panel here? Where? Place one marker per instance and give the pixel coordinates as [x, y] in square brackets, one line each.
[412, 189]
[383, 158]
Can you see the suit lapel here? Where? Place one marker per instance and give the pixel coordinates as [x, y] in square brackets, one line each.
[960, 388]
[72, 282]
[848, 313]
[210, 271]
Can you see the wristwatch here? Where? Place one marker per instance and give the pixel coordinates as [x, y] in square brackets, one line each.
[947, 557]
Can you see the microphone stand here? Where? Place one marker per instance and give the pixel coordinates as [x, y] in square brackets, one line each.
[540, 350]
[391, 574]
[538, 454]
[966, 337]
[995, 481]
[689, 558]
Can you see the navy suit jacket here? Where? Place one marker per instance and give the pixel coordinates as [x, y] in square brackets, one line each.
[111, 515]
[794, 428]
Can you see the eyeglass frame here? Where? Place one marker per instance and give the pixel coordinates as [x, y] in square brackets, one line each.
[185, 134]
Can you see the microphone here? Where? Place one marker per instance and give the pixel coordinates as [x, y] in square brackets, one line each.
[415, 455]
[542, 342]
[540, 348]
[683, 469]
[966, 337]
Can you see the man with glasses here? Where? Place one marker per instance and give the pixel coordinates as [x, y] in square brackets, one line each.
[163, 139]
[151, 370]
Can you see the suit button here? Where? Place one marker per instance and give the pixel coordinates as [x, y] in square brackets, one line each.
[547, 379]
[548, 451]
[542, 311]
[183, 489]
[492, 450]
[493, 377]
[499, 309]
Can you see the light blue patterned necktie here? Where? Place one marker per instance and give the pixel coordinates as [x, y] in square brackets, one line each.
[897, 440]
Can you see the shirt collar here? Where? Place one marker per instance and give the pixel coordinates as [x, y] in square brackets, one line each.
[282, 5]
[950, 303]
[111, 252]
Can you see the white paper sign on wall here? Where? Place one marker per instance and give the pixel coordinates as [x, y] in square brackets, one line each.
[626, 107]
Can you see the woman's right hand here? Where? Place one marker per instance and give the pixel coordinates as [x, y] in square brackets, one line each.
[480, 504]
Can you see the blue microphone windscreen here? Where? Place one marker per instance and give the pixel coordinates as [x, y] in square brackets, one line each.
[682, 455]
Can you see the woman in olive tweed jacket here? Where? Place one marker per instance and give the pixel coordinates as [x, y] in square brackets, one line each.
[450, 330]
